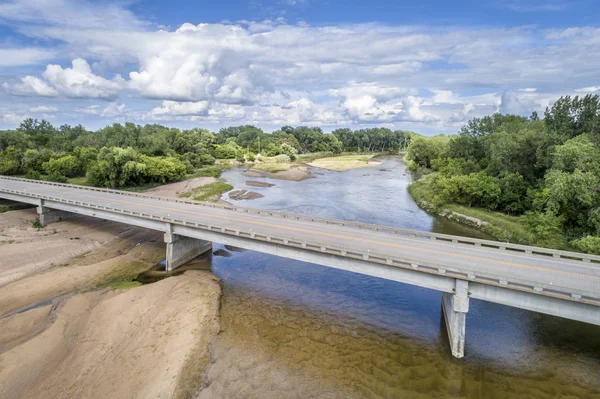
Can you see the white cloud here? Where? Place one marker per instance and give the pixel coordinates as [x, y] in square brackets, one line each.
[76, 82]
[174, 108]
[113, 110]
[31, 86]
[590, 89]
[274, 72]
[72, 13]
[43, 109]
[10, 57]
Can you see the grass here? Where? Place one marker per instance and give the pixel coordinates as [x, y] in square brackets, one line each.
[208, 192]
[272, 167]
[6, 206]
[207, 171]
[81, 180]
[343, 162]
[500, 225]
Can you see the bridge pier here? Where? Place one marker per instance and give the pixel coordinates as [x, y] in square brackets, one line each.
[48, 215]
[181, 250]
[455, 307]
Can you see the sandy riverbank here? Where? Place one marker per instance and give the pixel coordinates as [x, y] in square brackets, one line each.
[174, 189]
[147, 342]
[290, 172]
[344, 163]
[58, 339]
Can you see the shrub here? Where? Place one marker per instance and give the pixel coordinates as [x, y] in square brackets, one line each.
[67, 165]
[588, 245]
[282, 158]
[33, 175]
[56, 177]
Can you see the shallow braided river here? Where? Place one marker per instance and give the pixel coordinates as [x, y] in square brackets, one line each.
[298, 330]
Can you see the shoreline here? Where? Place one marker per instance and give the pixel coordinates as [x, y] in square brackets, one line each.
[500, 226]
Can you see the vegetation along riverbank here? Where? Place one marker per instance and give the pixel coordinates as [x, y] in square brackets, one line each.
[525, 180]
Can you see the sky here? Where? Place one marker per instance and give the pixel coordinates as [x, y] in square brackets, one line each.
[427, 66]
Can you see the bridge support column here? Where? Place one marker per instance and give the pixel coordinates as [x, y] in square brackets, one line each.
[181, 250]
[47, 215]
[455, 307]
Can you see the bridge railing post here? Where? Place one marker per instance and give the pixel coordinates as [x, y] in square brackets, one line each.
[455, 307]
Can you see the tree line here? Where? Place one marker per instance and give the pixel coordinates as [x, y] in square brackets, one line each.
[546, 170]
[130, 154]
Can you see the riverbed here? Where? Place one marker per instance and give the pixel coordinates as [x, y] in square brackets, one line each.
[293, 329]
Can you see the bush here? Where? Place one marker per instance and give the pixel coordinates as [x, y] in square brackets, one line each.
[67, 165]
[56, 177]
[545, 227]
[588, 245]
[282, 158]
[33, 175]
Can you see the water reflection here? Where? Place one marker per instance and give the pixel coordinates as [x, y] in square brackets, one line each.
[293, 329]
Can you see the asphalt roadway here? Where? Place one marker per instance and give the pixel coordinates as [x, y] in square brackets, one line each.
[564, 274]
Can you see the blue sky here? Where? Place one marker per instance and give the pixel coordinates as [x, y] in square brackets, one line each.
[427, 66]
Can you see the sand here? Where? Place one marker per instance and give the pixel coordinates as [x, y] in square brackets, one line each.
[345, 162]
[297, 173]
[244, 195]
[255, 183]
[26, 250]
[63, 335]
[146, 342]
[174, 189]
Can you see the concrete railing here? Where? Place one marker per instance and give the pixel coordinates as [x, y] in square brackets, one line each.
[425, 267]
[529, 250]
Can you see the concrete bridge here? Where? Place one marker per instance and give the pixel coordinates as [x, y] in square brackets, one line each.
[558, 283]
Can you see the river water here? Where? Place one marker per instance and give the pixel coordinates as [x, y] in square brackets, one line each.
[298, 330]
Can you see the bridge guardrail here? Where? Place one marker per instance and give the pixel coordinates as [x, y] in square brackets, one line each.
[425, 267]
[529, 250]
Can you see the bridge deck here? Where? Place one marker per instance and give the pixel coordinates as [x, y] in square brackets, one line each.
[564, 274]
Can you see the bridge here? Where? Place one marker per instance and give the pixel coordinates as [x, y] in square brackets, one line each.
[558, 283]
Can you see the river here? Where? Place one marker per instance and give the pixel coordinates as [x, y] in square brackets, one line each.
[298, 330]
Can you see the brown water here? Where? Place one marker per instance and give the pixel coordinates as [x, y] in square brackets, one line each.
[298, 330]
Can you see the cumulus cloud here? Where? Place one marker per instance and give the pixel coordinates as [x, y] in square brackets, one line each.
[31, 86]
[76, 82]
[274, 72]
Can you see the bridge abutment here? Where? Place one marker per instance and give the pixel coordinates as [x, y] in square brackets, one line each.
[48, 215]
[181, 250]
[455, 307]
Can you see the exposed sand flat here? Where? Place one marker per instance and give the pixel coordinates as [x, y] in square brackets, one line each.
[26, 250]
[129, 253]
[147, 342]
[173, 189]
[295, 173]
[345, 162]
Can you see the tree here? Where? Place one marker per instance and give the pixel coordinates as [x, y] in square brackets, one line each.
[67, 165]
[423, 150]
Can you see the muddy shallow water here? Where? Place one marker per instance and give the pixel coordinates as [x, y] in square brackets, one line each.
[293, 329]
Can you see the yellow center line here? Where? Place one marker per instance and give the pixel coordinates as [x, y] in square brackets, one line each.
[349, 237]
